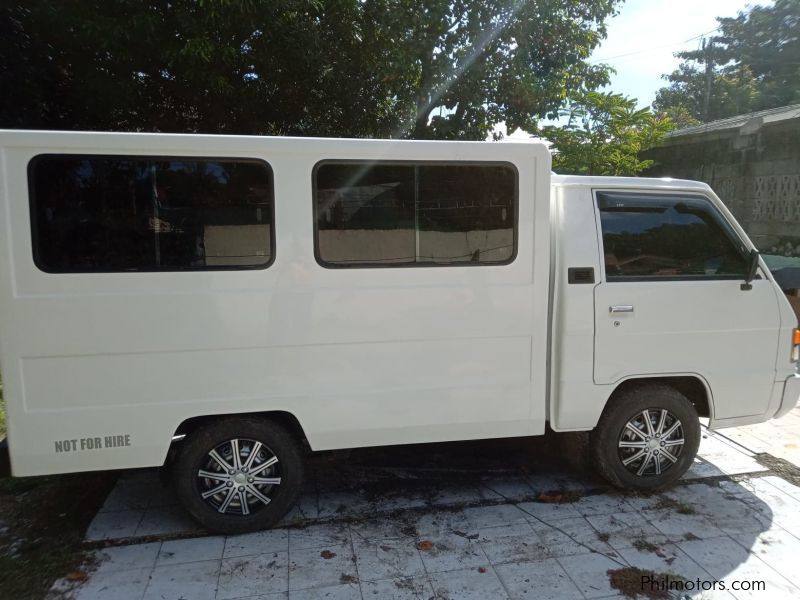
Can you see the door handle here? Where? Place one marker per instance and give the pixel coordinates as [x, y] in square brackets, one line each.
[621, 308]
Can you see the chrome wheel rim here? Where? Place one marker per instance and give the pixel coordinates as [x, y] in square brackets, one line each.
[239, 477]
[651, 442]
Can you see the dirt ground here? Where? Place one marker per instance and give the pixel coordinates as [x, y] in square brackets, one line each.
[42, 524]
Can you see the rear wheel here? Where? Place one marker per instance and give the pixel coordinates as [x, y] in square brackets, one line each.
[647, 438]
[239, 474]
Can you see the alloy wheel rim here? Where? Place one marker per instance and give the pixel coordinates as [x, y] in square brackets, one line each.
[239, 477]
[651, 442]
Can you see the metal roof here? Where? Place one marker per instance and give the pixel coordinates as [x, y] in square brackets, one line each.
[748, 123]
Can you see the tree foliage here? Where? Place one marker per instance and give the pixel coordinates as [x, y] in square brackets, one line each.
[755, 62]
[603, 134]
[381, 68]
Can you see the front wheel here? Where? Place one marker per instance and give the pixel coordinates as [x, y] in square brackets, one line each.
[239, 474]
[647, 438]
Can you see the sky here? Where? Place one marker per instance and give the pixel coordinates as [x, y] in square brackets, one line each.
[644, 36]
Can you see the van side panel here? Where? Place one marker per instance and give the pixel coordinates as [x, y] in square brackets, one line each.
[100, 369]
[575, 400]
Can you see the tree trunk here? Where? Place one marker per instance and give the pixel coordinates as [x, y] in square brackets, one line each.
[421, 130]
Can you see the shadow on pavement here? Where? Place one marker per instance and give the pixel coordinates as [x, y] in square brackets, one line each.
[526, 503]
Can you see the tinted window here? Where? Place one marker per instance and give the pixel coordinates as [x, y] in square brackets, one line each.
[381, 214]
[93, 213]
[659, 236]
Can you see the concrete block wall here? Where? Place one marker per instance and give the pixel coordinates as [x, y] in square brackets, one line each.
[756, 173]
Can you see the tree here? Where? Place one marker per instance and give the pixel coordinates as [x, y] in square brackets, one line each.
[603, 135]
[730, 92]
[679, 116]
[767, 41]
[752, 64]
[379, 68]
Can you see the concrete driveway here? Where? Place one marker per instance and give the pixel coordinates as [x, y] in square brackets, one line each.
[496, 519]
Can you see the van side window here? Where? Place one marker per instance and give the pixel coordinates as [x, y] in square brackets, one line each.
[135, 213]
[406, 214]
[658, 236]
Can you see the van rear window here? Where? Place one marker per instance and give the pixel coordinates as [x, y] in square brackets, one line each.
[137, 213]
[414, 214]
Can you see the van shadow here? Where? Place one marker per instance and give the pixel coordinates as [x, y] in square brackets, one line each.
[705, 528]
[543, 463]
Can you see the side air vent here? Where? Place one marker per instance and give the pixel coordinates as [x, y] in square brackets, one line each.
[580, 275]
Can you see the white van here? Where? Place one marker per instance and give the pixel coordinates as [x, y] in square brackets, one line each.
[236, 301]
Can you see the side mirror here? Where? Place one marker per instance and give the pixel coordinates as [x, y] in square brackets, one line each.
[752, 268]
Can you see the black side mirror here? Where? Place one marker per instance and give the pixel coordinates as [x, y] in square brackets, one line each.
[752, 268]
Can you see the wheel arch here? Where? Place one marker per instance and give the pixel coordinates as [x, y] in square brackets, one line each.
[693, 386]
[284, 418]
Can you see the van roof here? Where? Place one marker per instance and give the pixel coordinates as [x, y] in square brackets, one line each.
[629, 182]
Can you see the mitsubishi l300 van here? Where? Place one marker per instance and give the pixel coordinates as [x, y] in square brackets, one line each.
[229, 304]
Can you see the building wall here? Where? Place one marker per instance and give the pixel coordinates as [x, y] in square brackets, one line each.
[756, 172]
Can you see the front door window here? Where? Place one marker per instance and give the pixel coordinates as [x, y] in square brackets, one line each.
[659, 236]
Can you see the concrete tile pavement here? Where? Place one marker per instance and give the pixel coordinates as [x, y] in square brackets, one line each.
[411, 532]
[448, 554]
[780, 438]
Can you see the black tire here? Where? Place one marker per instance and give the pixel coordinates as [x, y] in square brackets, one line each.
[195, 454]
[629, 406]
